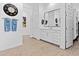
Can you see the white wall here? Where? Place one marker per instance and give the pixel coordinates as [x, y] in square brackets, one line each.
[76, 6]
[35, 21]
[10, 39]
[27, 11]
[31, 11]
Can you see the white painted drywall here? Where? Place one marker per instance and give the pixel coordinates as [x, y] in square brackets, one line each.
[76, 6]
[10, 39]
[27, 11]
[35, 21]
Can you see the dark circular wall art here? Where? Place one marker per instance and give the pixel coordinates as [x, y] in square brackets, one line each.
[10, 9]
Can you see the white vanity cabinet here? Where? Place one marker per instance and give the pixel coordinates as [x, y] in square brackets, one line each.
[54, 24]
[60, 25]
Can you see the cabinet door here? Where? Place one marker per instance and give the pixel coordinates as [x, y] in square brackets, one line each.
[69, 25]
[54, 36]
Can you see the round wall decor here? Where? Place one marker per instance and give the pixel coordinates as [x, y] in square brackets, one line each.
[10, 9]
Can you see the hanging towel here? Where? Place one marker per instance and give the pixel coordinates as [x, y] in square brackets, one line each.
[7, 24]
[14, 24]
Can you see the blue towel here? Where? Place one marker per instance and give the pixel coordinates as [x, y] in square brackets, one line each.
[7, 24]
[14, 24]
